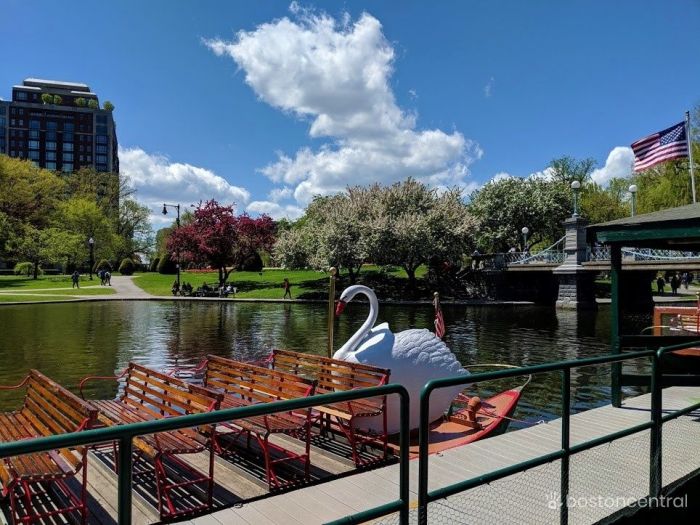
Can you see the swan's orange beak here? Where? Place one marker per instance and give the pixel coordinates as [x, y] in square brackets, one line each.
[340, 307]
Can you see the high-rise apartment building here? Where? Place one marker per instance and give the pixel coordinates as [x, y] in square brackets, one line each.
[59, 126]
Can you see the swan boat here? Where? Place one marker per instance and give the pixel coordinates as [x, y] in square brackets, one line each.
[415, 357]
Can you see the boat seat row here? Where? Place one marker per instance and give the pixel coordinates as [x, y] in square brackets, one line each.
[148, 394]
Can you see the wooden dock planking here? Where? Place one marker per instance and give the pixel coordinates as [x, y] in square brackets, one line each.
[616, 470]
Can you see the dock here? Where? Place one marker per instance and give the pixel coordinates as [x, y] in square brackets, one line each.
[604, 480]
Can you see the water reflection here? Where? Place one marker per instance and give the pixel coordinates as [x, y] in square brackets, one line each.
[69, 341]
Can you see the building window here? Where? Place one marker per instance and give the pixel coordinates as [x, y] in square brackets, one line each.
[101, 159]
[13, 122]
[21, 95]
[21, 154]
[67, 157]
[101, 129]
[67, 146]
[50, 165]
[100, 148]
[67, 166]
[33, 133]
[50, 135]
[34, 155]
[33, 144]
[68, 126]
[2, 109]
[67, 137]
[101, 119]
[50, 155]
[101, 139]
[13, 153]
[101, 167]
[89, 158]
[50, 124]
[34, 124]
[51, 146]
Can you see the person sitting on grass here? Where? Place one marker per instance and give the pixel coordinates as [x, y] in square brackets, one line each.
[176, 288]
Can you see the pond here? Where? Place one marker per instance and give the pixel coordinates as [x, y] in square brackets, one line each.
[71, 340]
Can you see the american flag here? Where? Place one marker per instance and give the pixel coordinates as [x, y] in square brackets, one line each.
[439, 320]
[671, 143]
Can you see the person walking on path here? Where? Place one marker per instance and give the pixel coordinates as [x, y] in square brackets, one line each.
[108, 278]
[674, 284]
[75, 277]
[660, 285]
[287, 288]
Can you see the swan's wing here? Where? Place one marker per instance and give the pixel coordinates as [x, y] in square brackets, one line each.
[377, 346]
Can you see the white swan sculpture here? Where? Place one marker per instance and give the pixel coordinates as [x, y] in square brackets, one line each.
[414, 357]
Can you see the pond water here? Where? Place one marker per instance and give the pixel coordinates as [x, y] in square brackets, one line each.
[69, 341]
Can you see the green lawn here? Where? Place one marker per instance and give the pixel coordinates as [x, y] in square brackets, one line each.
[10, 283]
[53, 295]
[268, 283]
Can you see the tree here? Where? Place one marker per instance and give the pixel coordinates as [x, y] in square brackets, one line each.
[127, 267]
[415, 224]
[46, 98]
[92, 104]
[503, 207]
[219, 238]
[80, 102]
[45, 246]
[134, 228]
[292, 248]
[601, 205]
[57, 99]
[568, 169]
[84, 218]
[108, 106]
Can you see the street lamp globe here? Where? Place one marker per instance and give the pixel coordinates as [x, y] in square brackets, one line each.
[633, 188]
[525, 230]
[575, 185]
[91, 241]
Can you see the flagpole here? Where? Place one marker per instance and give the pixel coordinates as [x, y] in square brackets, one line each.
[690, 154]
[331, 310]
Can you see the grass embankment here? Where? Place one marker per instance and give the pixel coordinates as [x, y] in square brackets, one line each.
[305, 284]
[47, 288]
[602, 289]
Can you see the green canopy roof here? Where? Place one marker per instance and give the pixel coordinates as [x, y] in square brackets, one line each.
[673, 228]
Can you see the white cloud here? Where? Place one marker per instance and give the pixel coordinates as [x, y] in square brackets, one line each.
[158, 180]
[276, 210]
[546, 174]
[336, 73]
[618, 164]
[488, 88]
[501, 176]
[278, 194]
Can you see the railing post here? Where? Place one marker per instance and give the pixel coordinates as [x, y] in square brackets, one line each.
[124, 484]
[565, 431]
[404, 442]
[655, 474]
[423, 437]
[615, 320]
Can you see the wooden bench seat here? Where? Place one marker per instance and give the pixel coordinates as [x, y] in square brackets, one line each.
[244, 384]
[149, 395]
[48, 409]
[334, 375]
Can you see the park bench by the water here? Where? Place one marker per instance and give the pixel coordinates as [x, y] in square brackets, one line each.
[48, 409]
[334, 375]
[149, 395]
[245, 384]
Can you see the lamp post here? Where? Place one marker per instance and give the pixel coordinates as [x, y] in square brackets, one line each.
[91, 243]
[633, 192]
[525, 231]
[576, 186]
[177, 224]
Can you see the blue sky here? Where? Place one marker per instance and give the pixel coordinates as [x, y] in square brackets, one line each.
[313, 97]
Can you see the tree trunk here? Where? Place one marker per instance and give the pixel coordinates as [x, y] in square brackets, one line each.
[351, 274]
[36, 269]
[221, 275]
[411, 272]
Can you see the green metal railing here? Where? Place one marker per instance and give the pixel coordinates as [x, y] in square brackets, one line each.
[566, 450]
[124, 435]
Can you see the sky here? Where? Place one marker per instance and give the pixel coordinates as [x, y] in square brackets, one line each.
[266, 104]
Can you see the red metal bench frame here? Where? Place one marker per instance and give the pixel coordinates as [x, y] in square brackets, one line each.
[334, 375]
[48, 409]
[147, 395]
[245, 384]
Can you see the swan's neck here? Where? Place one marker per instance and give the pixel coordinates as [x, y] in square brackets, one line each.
[349, 347]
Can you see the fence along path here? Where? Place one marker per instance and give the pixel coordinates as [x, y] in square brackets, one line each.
[617, 472]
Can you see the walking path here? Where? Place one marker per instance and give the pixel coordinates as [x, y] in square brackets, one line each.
[125, 288]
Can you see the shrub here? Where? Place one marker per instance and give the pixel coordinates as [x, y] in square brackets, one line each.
[26, 268]
[154, 264]
[80, 101]
[46, 98]
[251, 263]
[57, 99]
[166, 265]
[102, 264]
[108, 105]
[92, 103]
[127, 267]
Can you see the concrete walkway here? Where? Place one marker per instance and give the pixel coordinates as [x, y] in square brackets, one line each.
[125, 288]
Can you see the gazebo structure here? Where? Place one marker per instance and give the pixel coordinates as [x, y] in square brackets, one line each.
[671, 229]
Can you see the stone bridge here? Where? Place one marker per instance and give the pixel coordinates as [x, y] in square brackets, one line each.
[565, 272]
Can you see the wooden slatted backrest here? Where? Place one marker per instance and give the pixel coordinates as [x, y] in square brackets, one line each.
[332, 374]
[54, 410]
[254, 383]
[163, 396]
